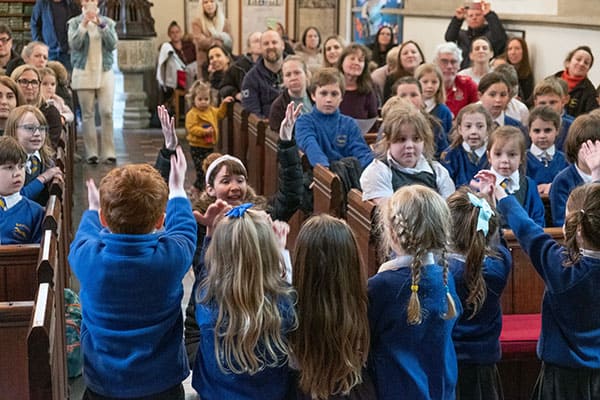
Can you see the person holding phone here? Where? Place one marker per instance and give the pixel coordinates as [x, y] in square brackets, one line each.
[481, 21]
[92, 39]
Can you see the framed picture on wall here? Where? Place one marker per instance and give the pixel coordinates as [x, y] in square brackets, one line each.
[370, 15]
[519, 33]
[322, 14]
[258, 15]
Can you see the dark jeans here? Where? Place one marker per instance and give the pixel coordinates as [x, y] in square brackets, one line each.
[174, 393]
[199, 154]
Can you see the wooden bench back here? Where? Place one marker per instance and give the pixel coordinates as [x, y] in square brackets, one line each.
[327, 192]
[256, 151]
[15, 320]
[271, 170]
[240, 132]
[18, 271]
[225, 145]
[360, 217]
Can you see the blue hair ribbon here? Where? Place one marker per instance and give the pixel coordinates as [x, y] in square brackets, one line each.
[485, 213]
[238, 211]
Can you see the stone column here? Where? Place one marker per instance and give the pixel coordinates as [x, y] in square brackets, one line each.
[134, 58]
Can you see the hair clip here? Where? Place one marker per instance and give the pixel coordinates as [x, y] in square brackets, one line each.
[218, 162]
[238, 211]
[485, 213]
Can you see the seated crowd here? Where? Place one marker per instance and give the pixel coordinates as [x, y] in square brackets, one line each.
[452, 152]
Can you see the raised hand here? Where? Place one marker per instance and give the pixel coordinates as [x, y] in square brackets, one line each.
[178, 168]
[93, 195]
[167, 124]
[287, 125]
[210, 215]
[460, 13]
[589, 153]
[281, 230]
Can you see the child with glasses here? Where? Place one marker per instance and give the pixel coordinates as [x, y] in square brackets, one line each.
[20, 218]
[28, 125]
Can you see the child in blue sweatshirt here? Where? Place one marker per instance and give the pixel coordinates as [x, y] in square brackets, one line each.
[480, 266]
[569, 344]
[130, 270]
[326, 135]
[412, 301]
[20, 218]
[544, 161]
[554, 93]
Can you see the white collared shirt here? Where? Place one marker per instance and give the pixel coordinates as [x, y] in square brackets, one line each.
[404, 262]
[480, 151]
[538, 153]
[585, 177]
[12, 200]
[28, 162]
[513, 184]
[430, 105]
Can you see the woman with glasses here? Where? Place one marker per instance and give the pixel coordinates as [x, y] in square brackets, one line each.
[28, 79]
[92, 39]
[28, 125]
[10, 98]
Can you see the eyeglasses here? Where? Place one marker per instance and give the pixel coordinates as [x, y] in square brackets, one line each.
[25, 82]
[444, 61]
[30, 128]
[5, 40]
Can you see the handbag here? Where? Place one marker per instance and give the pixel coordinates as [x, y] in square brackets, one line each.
[181, 79]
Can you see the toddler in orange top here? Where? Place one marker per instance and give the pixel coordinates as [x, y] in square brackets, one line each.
[202, 126]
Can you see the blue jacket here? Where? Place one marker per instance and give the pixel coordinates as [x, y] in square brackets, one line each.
[22, 223]
[540, 173]
[42, 26]
[79, 42]
[570, 334]
[565, 123]
[567, 180]
[260, 88]
[461, 169]
[416, 362]
[131, 291]
[331, 137]
[531, 200]
[477, 339]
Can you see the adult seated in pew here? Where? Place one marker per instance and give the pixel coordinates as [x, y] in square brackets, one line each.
[231, 85]
[21, 218]
[130, 272]
[480, 265]
[10, 98]
[569, 340]
[405, 156]
[28, 126]
[226, 179]
[295, 82]
[261, 84]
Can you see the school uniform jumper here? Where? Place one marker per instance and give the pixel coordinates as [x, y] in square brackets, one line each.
[21, 222]
[562, 186]
[411, 361]
[570, 336]
[132, 326]
[460, 167]
[330, 137]
[542, 173]
[565, 123]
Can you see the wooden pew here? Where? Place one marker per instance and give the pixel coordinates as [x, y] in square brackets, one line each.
[240, 132]
[225, 144]
[15, 320]
[270, 176]
[52, 217]
[327, 192]
[256, 152]
[360, 217]
[18, 271]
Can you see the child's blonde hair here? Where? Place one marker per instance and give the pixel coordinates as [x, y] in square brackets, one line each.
[550, 86]
[14, 119]
[468, 240]
[583, 220]
[331, 344]
[474, 108]
[416, 221]
[244, 281]
[585, 127]
[440, 95]
[505, 134]
[398, 112]
[198, 87]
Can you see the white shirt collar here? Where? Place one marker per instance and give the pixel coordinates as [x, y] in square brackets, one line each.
[513, 185]
[479, 151]
[590, 253]
[12, 200]
[585, 177]
[537, 152]
[422, 165]
[430, 105]
[500, 119]
[404, 262]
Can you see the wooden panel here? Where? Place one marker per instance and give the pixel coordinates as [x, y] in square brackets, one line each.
[271, 172]
[256, 151]
[327, 192]
[53, 214]
[225, 145]
[240, 132]
[360, 216]
[14, 325]
[18, 264]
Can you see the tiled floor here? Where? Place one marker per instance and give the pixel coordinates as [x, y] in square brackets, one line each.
[132, 146]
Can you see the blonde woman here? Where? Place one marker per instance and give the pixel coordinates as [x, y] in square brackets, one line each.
[209, 28]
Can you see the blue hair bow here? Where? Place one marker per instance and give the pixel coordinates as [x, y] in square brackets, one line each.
[485, 213]
[238, 211]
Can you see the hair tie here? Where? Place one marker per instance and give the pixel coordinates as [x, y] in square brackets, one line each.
[238, 211]
[218, 161]
[582, 211]
[485, 213]
[414, 288]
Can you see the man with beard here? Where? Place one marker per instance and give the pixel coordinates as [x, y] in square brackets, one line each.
[262, 84]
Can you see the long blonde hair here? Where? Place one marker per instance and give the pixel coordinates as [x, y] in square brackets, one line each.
[416, 220]
[244, 281]
[212, 25]
[331, 343]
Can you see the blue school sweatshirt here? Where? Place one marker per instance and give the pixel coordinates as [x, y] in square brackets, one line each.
[565, 124]
[22, 223]
[477, 339]
[461, 169]
[570, 335]
[331, 137]
[131, 291]
[540, 173]
[411, 361]
[567, 180]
